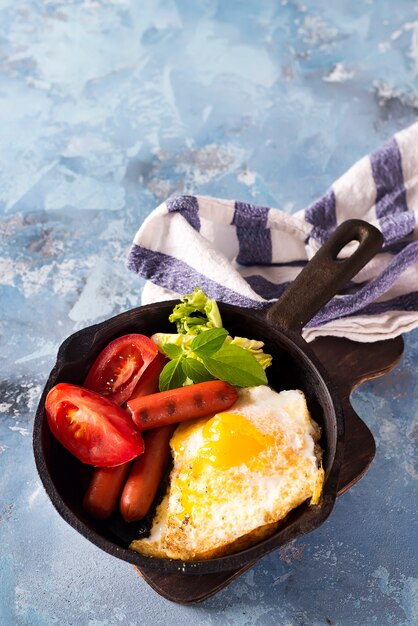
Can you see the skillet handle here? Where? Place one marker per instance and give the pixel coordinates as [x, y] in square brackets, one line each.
[324, 275]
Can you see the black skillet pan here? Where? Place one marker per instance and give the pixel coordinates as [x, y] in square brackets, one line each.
[294, 367]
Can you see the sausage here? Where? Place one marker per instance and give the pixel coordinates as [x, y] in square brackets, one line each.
[104, 490]
[107, 483]
[146, 474]
[184, 403]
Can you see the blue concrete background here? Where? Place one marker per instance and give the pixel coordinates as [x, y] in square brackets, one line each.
[106, 108]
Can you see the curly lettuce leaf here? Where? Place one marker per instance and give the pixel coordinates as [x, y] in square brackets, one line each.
[196, 313]
[182, 341]
[254, 347]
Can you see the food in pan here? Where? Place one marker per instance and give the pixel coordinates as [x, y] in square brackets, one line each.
[118, 368]
[104, 493]
[146, 474]
[93, 428]
[184, 403]
[244, 455]
[236, 475]
[202, 349]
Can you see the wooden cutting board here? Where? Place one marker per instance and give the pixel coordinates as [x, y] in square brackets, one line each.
[349, 364]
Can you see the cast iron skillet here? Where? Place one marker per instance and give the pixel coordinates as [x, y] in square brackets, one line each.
[294, 366]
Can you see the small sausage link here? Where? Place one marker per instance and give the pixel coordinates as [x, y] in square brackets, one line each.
[104, 490]
[146, 474]
[184, 403]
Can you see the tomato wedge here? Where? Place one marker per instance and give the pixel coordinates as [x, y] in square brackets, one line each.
[148, 382]
[93, 428]
[120, 365]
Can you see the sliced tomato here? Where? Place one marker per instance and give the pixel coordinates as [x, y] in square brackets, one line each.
[148, 383]
[118, 368]
[93, 428]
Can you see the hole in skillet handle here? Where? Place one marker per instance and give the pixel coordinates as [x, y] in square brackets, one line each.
[347, 251]
[325, 275]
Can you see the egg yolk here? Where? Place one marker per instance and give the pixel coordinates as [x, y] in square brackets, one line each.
[230, 440]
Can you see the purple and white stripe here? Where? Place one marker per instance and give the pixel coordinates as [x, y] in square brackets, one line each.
[246, 254]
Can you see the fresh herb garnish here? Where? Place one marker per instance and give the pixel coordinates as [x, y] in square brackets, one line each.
[172, 350]
[172, 375]
[237, 366]
[196, 370]
[208, 342]
[208, 357]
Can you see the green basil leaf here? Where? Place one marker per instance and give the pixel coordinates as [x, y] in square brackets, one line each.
[172, 375]
[172, 350]
[236, 366]
[195, 370]
[208, 342]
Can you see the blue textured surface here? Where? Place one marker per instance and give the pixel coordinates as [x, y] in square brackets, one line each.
[108, 107]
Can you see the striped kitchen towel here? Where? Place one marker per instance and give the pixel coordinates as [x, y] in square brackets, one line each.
[247, 255]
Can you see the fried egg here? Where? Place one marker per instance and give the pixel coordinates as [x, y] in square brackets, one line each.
[235, 475]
